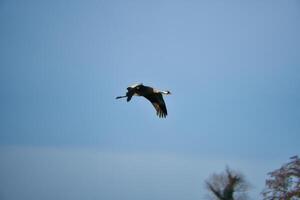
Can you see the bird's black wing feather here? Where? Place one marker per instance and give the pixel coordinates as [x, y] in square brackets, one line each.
[158, 103]
[130, 93]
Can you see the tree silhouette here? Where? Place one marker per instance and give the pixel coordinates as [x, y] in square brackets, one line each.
[284, 183]
[229, 185]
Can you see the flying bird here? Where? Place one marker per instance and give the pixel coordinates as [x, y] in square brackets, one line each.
[155, 96]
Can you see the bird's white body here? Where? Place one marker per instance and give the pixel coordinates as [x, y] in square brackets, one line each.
[135, 85]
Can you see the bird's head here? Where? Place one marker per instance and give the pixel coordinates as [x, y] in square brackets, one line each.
[167, 92]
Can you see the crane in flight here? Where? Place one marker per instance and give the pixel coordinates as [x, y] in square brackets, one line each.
[155, 96]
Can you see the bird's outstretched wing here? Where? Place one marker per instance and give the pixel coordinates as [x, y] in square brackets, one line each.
[158, 103]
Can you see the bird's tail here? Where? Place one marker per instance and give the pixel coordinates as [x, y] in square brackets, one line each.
[119, 97]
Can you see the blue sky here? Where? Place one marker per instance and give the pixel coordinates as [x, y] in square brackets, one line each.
[232, 67]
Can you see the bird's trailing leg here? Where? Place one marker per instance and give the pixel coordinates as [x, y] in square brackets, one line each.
[119, 97]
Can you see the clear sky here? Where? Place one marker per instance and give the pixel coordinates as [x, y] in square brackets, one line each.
[233, 69]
